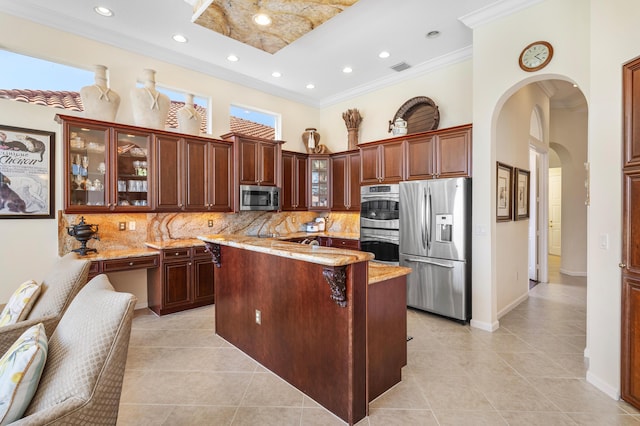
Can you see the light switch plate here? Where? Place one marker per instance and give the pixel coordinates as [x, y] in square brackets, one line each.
[122, 226]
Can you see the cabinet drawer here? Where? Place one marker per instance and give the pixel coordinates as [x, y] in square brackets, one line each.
[95, 268]
[201, 251]
[347, 244]
[175, 254]
[142, 262]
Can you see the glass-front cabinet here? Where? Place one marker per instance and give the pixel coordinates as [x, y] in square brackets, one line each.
[319, 182]
[106, 167]
[132, 169]
[86, 165]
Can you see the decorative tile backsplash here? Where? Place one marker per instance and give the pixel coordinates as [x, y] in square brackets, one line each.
[174, 226]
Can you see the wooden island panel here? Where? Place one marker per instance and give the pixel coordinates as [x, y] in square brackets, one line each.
[304, 337]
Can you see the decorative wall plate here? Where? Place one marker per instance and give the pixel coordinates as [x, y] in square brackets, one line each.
[420, 113]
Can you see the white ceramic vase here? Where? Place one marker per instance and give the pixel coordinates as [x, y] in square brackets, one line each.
[100, 102]
[150, 107]
[189, 120]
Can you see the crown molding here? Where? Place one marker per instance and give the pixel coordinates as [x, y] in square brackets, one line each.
[495, 11]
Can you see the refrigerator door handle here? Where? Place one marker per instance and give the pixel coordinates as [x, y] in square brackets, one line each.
[431, 262]
[423, 228]
[428, 218]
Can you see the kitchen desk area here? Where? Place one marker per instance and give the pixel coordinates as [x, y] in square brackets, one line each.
[326, 320]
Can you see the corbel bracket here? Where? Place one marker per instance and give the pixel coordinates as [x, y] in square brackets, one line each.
[336, 277]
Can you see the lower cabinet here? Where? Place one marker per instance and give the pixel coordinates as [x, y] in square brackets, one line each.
[184, 280]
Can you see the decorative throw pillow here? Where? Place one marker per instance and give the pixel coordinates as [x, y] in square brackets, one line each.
[20, 370]
[20, 303]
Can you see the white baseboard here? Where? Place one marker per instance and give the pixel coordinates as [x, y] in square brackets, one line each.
[486, 326]
[603, 386]
[141, 305]
[586, 352]
[513, 305]
[573, 273]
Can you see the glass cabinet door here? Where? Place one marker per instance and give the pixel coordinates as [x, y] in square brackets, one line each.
[132, 170]
[87, 163]
[319, 171]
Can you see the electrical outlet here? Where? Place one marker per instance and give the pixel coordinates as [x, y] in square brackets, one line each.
[258, 317]
[122, 226]
[210, 223]
[132, 226]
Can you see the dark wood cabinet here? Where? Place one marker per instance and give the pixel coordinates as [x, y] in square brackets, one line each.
[169, 174]
[123, 264]
[132, 169]
[257, 159]
[319, 182]
[294, 181]
[345, 181]
[439, 154]
[184, 280]
[207, 171]
[341, 243]
[105, 166]
[382, 162]
[192, 175]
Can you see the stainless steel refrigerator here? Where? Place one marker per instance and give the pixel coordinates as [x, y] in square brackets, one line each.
[435, 241]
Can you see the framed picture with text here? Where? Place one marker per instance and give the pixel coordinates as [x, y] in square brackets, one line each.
[26, 173]
[504, 187]
[521, 194]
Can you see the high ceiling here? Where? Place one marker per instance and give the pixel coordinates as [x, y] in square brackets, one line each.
[352, 38]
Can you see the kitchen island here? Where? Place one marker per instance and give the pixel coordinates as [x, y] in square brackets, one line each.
[312, 316]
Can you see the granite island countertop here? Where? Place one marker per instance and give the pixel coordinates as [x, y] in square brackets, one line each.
[321, 255]
[315, 254]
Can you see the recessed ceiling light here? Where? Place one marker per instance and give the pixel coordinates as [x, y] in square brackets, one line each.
[433, 34]
[104, 11]
[232, 58]
[384, 54]
[311, 86]
[575, 85]
[347, 70]
[262, 19]
[180, 38]
[276, 74]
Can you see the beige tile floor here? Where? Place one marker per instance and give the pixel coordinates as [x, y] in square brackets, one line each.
[529, 372]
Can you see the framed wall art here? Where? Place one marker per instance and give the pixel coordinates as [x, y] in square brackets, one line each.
[521, 194]
[27, 174]
[504, 188]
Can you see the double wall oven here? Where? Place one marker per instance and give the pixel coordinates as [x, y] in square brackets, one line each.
[380, 222]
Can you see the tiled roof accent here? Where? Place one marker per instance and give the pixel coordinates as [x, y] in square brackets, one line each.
[72, 101]
[55, 99]
[246, 127]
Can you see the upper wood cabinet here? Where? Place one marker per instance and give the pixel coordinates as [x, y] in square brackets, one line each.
[345, 181]
[192, 174]
[257, 160]
[382, 162]
[319, 182]
[439, 154]
[105, 166]
[294, 181]
[143, 169]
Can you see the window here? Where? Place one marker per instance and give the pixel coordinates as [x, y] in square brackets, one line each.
[254, 122]
[42, 82]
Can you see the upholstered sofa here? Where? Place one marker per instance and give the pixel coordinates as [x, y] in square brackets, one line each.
[66, 277]
[82, 378]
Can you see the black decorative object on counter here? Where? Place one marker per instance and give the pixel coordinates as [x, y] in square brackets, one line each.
[83, 232]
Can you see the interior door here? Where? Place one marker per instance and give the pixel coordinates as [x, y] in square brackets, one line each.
[630, 264]
[555, 211]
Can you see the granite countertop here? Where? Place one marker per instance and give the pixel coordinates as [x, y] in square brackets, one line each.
[119, 254]
[329, 256]
[381, 272]
[171, 244]
[325, 234]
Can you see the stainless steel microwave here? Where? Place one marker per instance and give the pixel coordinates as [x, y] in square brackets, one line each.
[254, 197]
